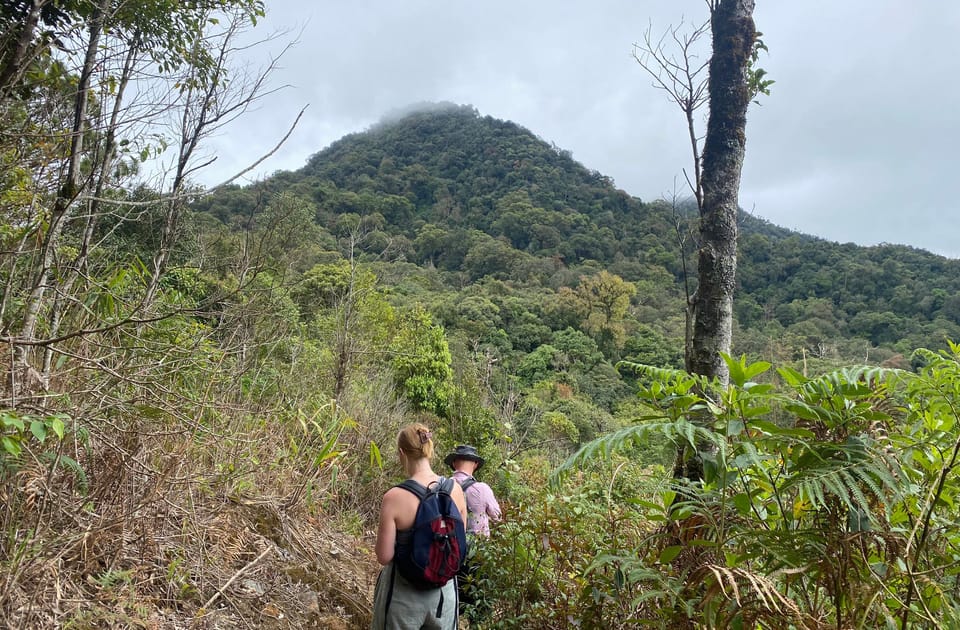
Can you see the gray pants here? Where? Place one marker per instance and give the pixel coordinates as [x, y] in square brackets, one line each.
[410, 608]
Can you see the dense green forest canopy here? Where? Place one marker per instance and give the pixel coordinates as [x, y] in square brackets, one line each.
[492, 210]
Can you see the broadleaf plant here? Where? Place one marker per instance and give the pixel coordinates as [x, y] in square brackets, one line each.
[828, 500]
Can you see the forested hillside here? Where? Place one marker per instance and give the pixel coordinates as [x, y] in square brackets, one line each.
[446, 188]
[201, 393]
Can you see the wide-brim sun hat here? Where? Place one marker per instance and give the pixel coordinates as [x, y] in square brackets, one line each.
[464, 451]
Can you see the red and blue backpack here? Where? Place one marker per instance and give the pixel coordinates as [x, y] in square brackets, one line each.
[430, 554]
[437, 544]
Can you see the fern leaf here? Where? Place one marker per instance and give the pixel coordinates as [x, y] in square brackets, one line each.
[628, 437]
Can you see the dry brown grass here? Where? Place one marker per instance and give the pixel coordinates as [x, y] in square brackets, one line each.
[161, 538]
[185, 497]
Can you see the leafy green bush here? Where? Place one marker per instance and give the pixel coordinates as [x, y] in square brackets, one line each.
[845, 516]
[534, 571]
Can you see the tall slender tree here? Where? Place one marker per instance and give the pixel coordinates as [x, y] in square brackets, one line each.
[731, 84]
[730, 92]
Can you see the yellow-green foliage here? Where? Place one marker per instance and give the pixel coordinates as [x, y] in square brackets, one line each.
[535, 570]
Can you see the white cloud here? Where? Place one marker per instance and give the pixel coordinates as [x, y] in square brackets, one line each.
[854, 144]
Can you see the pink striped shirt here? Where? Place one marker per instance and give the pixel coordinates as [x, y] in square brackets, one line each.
[481, 505]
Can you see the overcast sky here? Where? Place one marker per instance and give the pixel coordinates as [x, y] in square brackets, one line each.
[857, 141]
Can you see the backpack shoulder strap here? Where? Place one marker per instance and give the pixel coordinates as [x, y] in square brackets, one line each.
[445, 484]
[415, 487]
[466, 483]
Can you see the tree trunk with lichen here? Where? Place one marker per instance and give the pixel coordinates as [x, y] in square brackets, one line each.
[730, 93]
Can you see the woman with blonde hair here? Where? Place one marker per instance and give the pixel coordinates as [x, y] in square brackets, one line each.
[399, 604]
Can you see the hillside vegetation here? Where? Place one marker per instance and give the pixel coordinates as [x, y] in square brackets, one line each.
[202, 395]
[479, 200]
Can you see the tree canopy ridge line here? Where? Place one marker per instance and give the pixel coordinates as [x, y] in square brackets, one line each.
[545, 206]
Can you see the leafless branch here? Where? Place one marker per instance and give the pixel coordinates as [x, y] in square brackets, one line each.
[682, 75]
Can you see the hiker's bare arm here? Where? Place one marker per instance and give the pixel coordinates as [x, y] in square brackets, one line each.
[387, 531]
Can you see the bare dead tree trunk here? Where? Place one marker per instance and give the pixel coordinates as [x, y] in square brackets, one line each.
[716, 169]
[723, 151]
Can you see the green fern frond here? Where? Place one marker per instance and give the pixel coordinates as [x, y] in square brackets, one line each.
[662, 374]
[806, 411]
[679, 431]
[855, 380]
[673, 379]
[875, 487]
[856, 474]
[927, 356]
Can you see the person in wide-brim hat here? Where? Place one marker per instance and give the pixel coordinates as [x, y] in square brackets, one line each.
[464, 451]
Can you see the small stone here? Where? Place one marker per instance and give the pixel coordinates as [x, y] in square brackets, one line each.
[311, 602]
[272, 610]
[254, 587]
